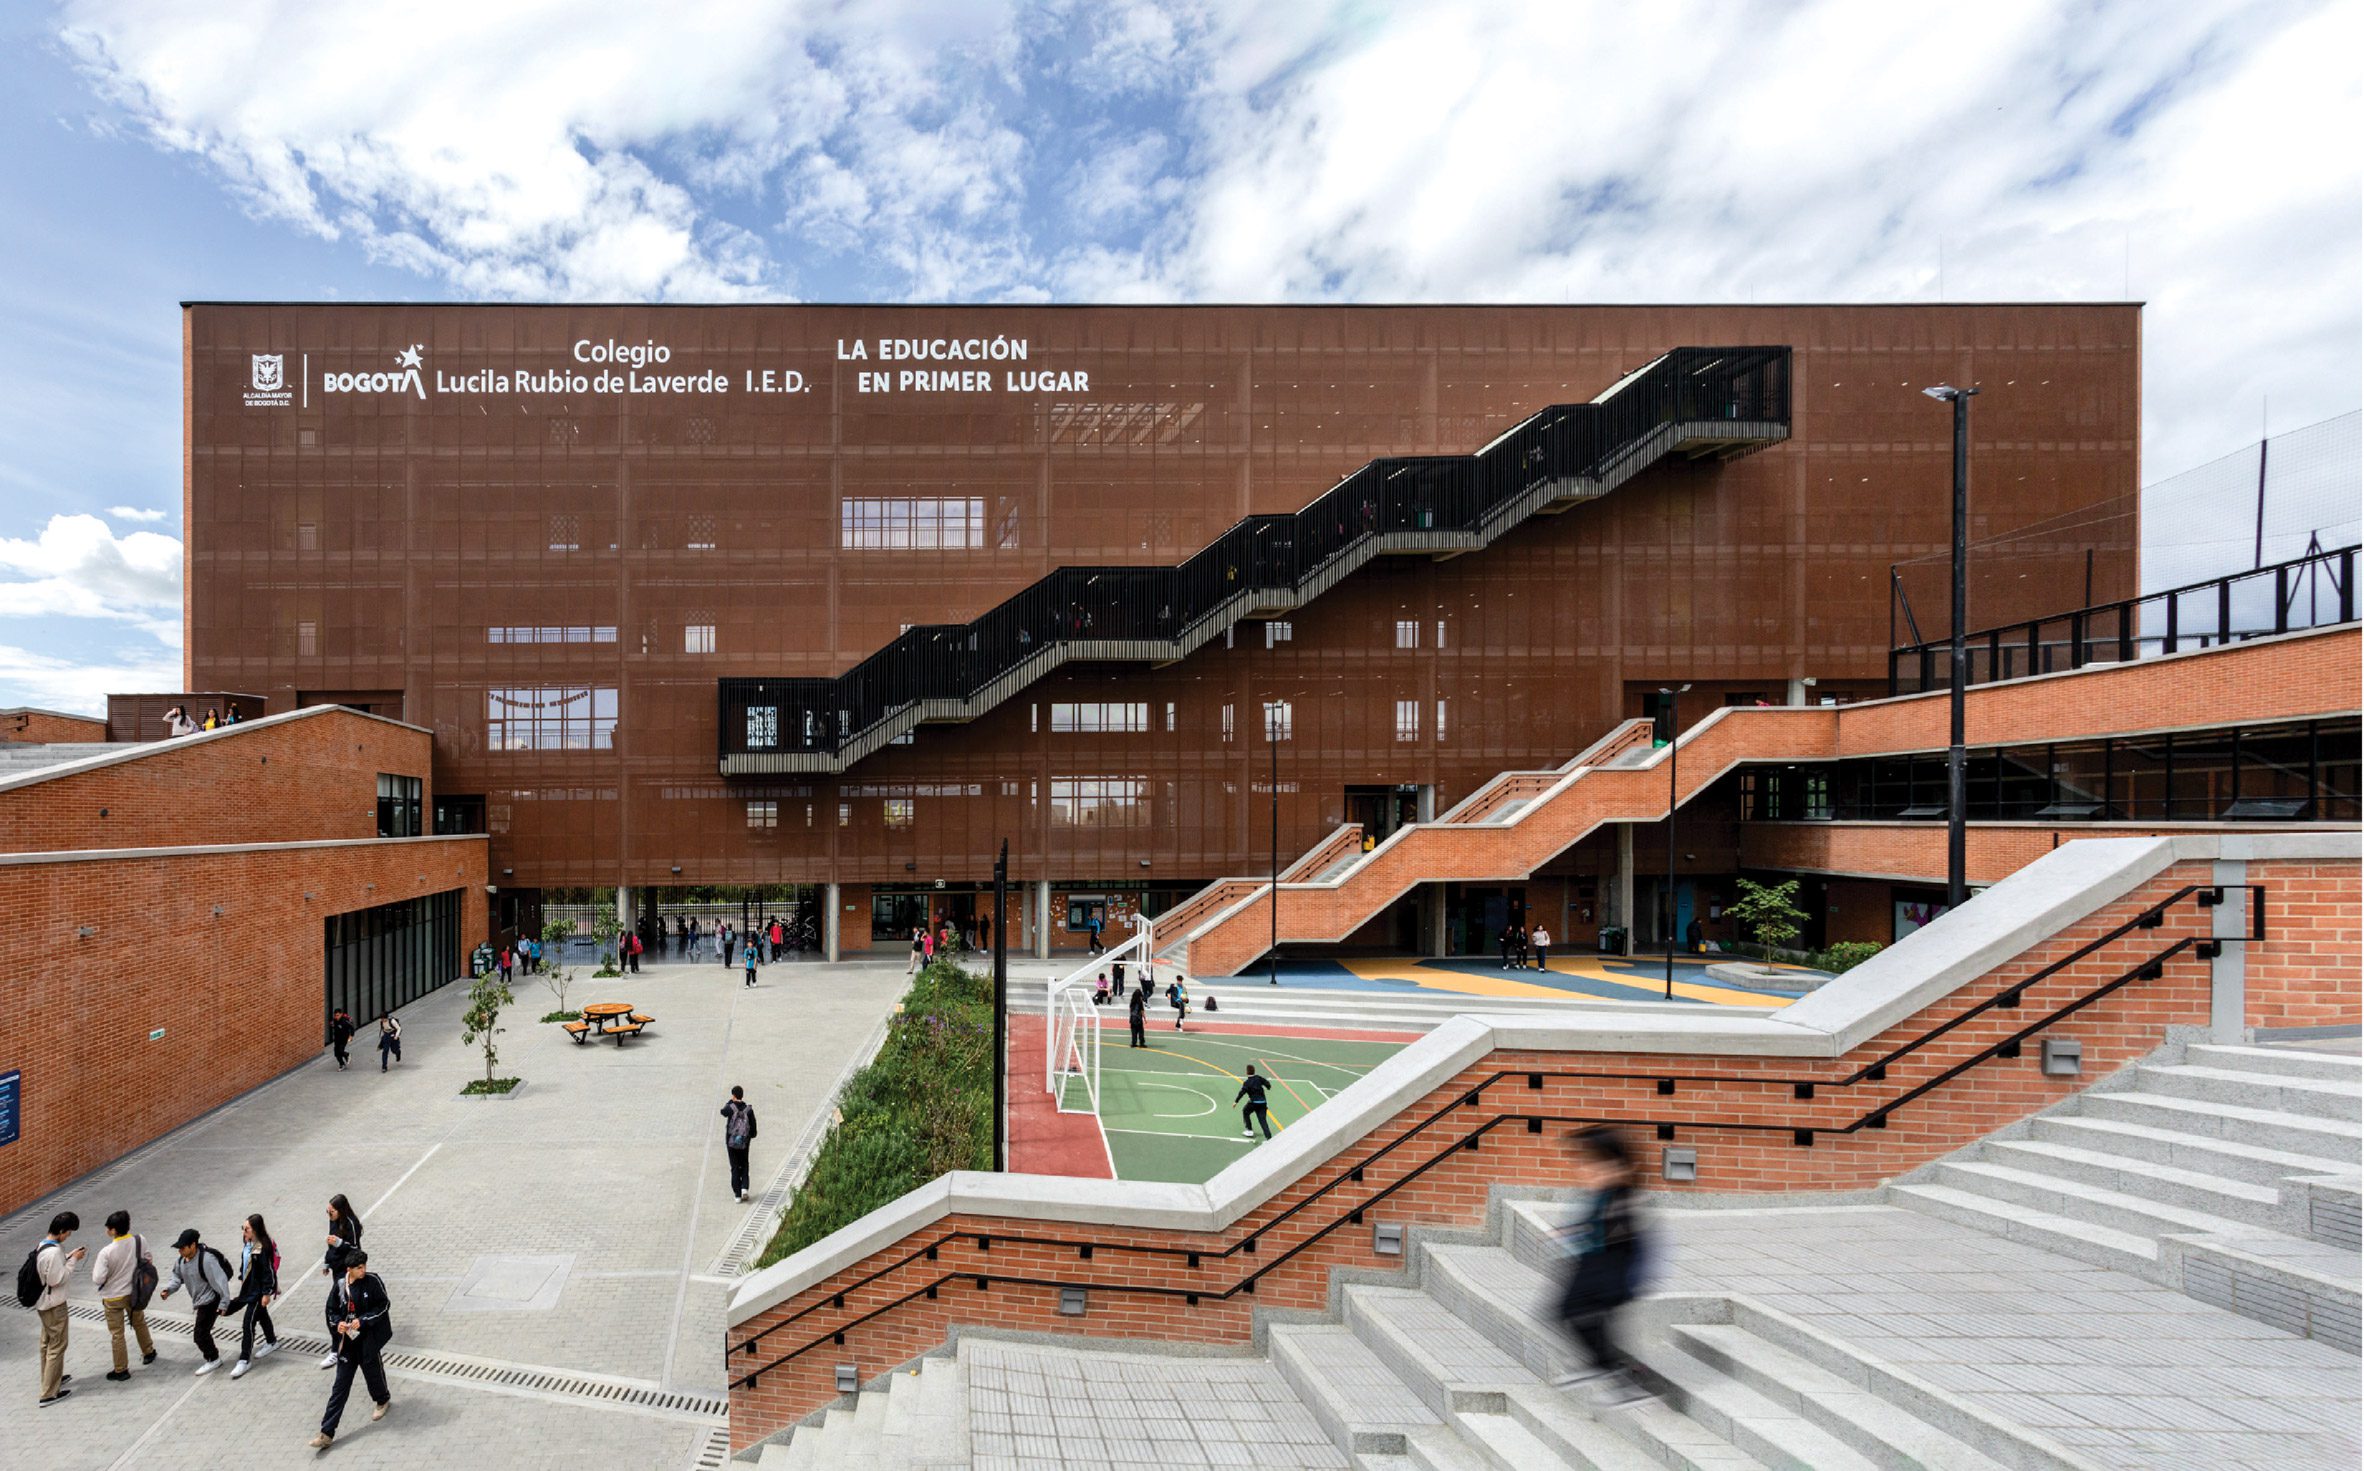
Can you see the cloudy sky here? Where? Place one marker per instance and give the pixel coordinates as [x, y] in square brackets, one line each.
[2198, 156]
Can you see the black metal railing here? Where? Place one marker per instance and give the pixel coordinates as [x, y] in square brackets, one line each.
[2317, 590]
[1281, 553]
[1873, 1116]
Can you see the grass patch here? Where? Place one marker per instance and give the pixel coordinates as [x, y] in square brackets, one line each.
[922, 1107]
[564, 1016]
[490, 1085]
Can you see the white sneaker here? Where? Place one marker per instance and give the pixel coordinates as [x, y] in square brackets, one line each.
[208, 1367]
[328, 1360]
[1247, 1133]
[266, 1350]
[238, 1370]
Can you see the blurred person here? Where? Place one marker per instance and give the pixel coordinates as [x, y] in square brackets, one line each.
[1608, 1253]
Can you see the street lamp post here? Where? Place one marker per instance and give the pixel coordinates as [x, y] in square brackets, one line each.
[1272, 715]
[1673, 759]
[1957, 760]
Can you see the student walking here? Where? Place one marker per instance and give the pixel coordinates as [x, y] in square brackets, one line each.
[1178, 998]
[919, 950]
[205, 1274]
[1607, 1252]
[1542, 943]
[389, 1040]
[340, 1036]
[361, 1323]
[738, 1134]
[750, 965]
[258, 1288]
[1252, 1088]
[1138, 1009]
[344, 1238]
[508, 964]
[124, 1273]
[1093, 930]
[1509, 941]
[730, 946]
[632, 949]
[51, 1264]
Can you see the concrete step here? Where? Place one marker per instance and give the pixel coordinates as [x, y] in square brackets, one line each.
[2309, 1288]
[2213, 1195]
[1579, 1438]
[2184, 1151]
[1503, 1298]
[2266, 1127]
[2100, 1246]
[1885, 1433]
[1449, 1364]
[2288, 1062]
[1504, 1443]
[1361, 1402]
[1778, 1437]
[2309, 1096]
[2136, 1215]
[1440, 1448]
[1530, 1229]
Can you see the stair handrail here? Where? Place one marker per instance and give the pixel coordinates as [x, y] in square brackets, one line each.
[2152, 967]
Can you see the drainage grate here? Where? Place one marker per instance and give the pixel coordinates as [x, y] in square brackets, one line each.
[523, 1378]
[756, 1230]
[715, 1453]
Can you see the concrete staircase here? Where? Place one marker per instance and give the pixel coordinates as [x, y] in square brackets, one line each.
[1449, 1367]
[2230, 1174]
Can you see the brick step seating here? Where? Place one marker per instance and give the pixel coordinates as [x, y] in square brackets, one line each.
[1453, 1373]
[2231, 1176]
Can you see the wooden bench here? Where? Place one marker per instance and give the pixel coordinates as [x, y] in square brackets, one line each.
[640, 1020]
[578, 1030]
[623, 1030]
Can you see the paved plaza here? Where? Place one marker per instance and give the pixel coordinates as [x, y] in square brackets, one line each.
[556, 1261]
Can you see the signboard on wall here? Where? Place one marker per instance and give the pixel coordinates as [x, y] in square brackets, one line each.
[11, 1092]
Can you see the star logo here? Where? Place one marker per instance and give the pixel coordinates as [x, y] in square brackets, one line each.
[409, 359]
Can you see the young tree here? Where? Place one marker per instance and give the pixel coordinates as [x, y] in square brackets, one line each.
[604, 931]
[482, 1020]
[555, 975]
[1769, 913]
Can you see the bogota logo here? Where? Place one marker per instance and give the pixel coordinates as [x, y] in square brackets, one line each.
[405, 378]
[266, 381]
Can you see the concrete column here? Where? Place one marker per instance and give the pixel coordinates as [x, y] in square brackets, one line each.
[1432, 915]
[1798, 694]
[1041, 919]
[832, 910]
[1624, 888]
[2228, 973]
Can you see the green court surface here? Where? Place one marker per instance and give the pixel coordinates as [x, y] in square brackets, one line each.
[1168, 1107]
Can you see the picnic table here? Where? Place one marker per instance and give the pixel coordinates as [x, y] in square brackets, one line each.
[608, 1018]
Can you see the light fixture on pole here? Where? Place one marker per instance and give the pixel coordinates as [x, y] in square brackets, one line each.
[1274, 711]
[1666, 724]
[1957, 760]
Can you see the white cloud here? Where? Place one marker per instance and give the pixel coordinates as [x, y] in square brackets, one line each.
[81, 686]
[136, 513]
[77, 567]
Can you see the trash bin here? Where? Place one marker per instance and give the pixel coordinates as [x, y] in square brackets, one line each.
[1612, 939]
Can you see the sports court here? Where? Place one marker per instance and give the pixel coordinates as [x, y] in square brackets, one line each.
[1576, 977]
[1167, 1108]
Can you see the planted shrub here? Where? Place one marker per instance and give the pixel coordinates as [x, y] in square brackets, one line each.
[1846, 955]
[922, 1107]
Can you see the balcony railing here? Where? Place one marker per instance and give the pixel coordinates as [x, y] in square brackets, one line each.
[1734, 398]
[2317, 590]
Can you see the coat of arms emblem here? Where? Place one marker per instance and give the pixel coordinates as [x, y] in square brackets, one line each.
[270, 372]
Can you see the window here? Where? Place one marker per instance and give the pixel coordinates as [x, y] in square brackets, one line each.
[701, 534]
[566, 533]
[1099, 801]
[398, 805]
[1277, 632]
[307, 536]
[1169, 717]
[911, 523]
[1114, 718]
[550, 718]
[1082, 909]
[1407, 720]
[764, 814]
[1440, 633]
[763, 727]
[307, 639]
[697, 638]
[1407, 633]
[1440, 720]
[454, 815]
[895, 916]
[898, 811]
[576, 633]
[1280, 720]
[1227, 722]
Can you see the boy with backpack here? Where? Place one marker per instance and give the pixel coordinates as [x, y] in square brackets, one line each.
[738, 1132]
[1608, 1262]
[205, 1273]
[364, 1323]
[125, 1276]
[41, 1286]
[1179, 999]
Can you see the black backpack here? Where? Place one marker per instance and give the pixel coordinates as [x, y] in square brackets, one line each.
[143, 1276]
[29, 1285]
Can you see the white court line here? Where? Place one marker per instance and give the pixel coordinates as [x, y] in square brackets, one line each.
[150, 1433]
[1170, 1134]
[689, 1238]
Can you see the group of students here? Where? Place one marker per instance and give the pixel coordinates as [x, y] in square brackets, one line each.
[357, 1312]
[1519, 943]
[178, 723]
[1137, 1002]
[341, 1028]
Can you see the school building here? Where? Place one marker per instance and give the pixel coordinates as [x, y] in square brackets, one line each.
[827, 603]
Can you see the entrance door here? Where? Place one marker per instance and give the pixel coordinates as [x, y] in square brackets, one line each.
[1382, 810]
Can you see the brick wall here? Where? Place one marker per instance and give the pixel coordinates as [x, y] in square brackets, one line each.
[222, 950]
[39, 727]
[310, 777]
[1915, 852]
[2306, 976]
[1492, 1102]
